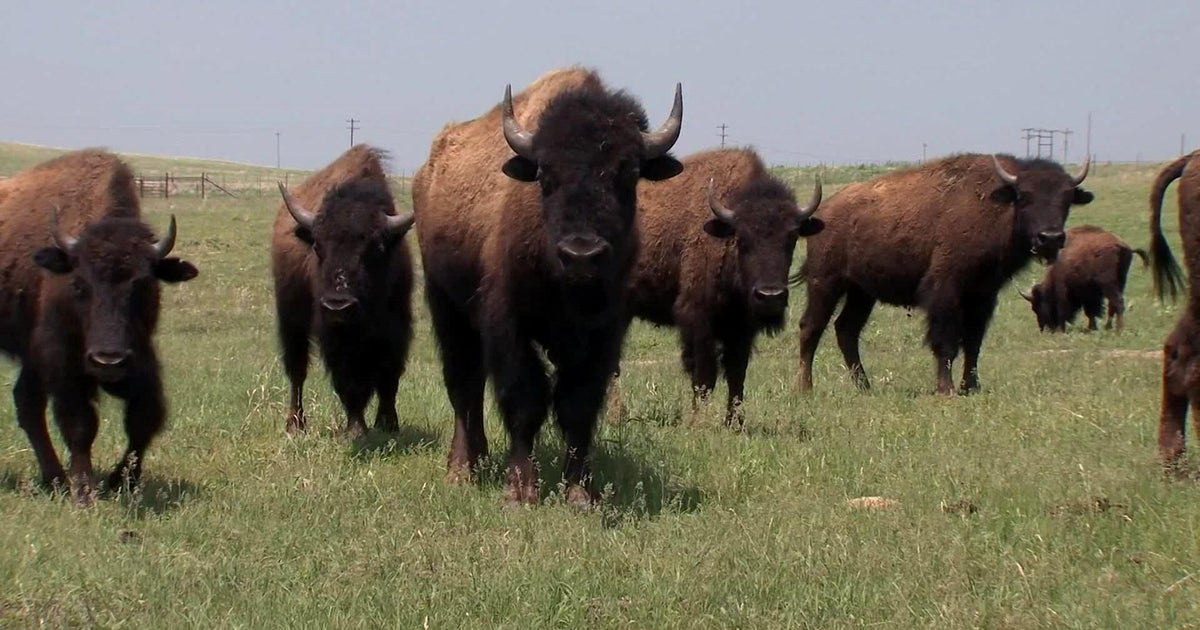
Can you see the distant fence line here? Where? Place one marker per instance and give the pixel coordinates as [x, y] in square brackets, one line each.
[167, 184]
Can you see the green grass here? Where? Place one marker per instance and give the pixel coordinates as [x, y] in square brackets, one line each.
[238, 525]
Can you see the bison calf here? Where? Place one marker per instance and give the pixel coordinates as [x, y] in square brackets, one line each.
[87, 324]
[1181, 352]
[1091, 268]
[944, 236]
[717, 245]
[344, 275]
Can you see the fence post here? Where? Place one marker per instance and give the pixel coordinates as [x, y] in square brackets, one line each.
[203, 176]
[142, 186]
[166, 185]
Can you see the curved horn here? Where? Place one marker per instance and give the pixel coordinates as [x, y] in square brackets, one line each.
[398, 224]
[1028, 296]
[1005, 176]
[1078, 179]
[719, 209]
[661, 141]
[813, 204]
[63, 242]
[519, 140]
[167, 242]
[302, 216]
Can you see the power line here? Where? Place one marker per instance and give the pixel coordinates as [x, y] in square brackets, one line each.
[352, 127]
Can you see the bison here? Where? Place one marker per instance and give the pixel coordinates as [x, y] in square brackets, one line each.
[1091, 268]
[343, 274]
[511, 268]
[943, 236]
[79, 304]
[1181, 352]
[715, 261]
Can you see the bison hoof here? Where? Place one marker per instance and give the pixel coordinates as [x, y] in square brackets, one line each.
[459, 474]
[520, 494]
[580, 497]
[354, 430]
[294, 424]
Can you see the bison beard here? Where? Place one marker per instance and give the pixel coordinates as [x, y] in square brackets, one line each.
[513, 268]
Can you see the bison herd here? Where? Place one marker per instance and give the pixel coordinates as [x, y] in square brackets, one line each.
[544, 227]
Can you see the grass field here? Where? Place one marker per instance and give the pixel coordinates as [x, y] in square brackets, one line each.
[1036, 503]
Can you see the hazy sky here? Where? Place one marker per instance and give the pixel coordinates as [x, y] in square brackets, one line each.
[843, 81]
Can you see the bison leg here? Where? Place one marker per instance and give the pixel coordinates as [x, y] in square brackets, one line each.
[1116, 308]
[521, 391]
[354, 391]
[387, 381]
[30, 399]
[975, 324]
[78, 423]
[464, 376]
[848, 326]
[944, 337]
[295, 320]
[1173, 414]
[818, 311]
[579, 392]
[735, 359]
[699, 359]
[145, 414]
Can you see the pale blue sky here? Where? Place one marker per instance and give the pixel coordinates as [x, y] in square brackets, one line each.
[842, 81]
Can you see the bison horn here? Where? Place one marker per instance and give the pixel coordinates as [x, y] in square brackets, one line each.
[813, 204]
[520, 140]
[719, 209]
[302, 216]
[398, 224]
[167, 242]
[62, 241]
[1005, 176]
[661, 141]
[1028, 296]
[1078, 179]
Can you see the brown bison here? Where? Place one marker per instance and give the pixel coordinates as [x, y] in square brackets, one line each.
[79, 303]
[1181, 353]
[944, 236]
[1091, 268]
[343, 274]
[512, 267]
[714, 261]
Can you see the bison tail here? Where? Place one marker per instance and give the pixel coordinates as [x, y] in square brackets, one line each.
[1143, 255]
[1168, 277]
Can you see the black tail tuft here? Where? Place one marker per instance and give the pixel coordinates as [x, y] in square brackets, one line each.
[1168, 277]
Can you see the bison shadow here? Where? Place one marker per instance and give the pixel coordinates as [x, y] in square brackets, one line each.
[405, 440]
[156, 496]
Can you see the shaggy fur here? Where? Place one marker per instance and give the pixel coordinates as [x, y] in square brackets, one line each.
[1181, 352]
[348, 255]
[98, 300]
[1091, 268]
[497, 286]
[945, 237]
[698, 274]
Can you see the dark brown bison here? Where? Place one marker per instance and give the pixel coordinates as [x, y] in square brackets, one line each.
[343, 274]
[79, 303]
[1181, 353]
[944, 236]
[714, 262]
[536, 256]
[1091, 268]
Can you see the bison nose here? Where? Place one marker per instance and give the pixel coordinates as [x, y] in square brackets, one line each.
[770, 294]
[109, 358]
[581, 249]
[337, 303]
[1050, 239]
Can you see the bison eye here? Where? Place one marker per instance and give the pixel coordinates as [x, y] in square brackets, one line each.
[316, 247]
[79, 288]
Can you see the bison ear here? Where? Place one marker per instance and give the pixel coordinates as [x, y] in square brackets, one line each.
[520, 169]
[52, 259]
[1004, 194]
[304, 234]
[661, 168]
[1082, 197]
[718, 228]
[811, 226]
[174, 269]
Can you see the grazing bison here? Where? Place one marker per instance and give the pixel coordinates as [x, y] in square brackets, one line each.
[715, 261]
[944, 236]
[538, 256]
[1181, 353]
[343, 274]
[1090, 269]
[79, 303]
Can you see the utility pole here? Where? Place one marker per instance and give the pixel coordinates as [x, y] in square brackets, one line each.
[277, 149]
[924, 146]
[1066, 134]
[352, 127]
[722, 127]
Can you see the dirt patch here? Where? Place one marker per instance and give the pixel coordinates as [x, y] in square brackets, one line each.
[873, 503]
